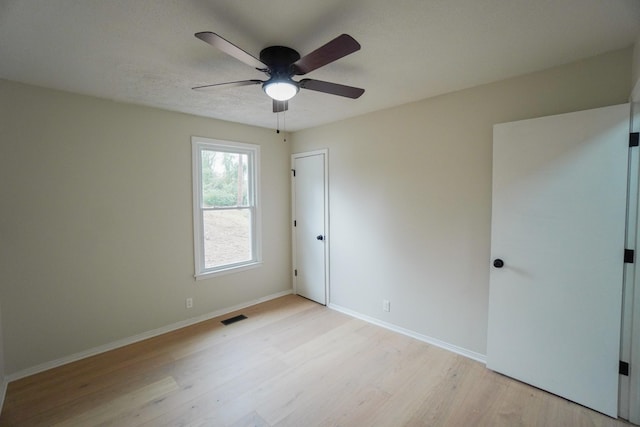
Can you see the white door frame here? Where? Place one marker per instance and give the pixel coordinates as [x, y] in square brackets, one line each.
[327, 237]
[630, 347]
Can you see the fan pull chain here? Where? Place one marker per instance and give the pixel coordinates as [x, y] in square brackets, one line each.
[284, 125]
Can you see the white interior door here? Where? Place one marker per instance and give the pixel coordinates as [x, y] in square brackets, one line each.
[310, 226]
[558, 223]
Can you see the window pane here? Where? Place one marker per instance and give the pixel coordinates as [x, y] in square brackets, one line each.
[225, 179]
[227, 237]
[226, 234]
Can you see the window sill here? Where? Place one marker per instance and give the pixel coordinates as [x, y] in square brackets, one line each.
[210, 274]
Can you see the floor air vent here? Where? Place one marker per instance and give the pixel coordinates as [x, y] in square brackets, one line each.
[234, 319]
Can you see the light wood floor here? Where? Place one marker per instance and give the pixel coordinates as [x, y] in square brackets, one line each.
[291, 363]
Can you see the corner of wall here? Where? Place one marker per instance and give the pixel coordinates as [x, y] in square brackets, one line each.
[3, 391]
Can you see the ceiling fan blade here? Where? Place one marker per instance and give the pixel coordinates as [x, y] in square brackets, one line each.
[280, 106]
[332, 88]
[228, 84]
[341, 46]
[229, 48]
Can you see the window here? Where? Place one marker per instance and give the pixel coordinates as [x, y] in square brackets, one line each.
[225, 206]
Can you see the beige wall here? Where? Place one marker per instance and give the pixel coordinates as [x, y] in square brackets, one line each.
[96, 240]
[410, 195]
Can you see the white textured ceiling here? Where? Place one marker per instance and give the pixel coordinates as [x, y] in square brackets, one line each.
[144, 51]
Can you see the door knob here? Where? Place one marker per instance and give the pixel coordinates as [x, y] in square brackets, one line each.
[320, 237]
[498, 263]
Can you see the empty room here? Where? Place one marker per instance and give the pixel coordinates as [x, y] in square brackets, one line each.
[319, 213]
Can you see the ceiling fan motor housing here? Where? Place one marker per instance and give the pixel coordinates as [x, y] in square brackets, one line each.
[279, 60]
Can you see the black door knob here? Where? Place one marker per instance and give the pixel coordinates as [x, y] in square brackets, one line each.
[498, 263]
[320, 237]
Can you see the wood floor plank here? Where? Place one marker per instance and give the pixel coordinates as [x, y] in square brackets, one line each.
[423, 386]
[79, 387]
[251, 420]
[216, 403]
[290, 363]
[190, 389]
[104, 412]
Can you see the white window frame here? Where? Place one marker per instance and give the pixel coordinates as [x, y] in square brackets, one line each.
[198, 144]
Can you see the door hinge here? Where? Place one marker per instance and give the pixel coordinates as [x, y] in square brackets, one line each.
[295, 273]
[629, 256]
[624, 368]
[295, 224]
[294, 172]
[634, 139]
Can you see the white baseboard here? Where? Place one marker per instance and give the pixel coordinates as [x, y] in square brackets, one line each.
[136, 338]
[429, 340]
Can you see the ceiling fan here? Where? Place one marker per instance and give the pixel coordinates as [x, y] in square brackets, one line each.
[281, 63]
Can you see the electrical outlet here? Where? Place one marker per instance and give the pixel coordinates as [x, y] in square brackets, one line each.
[189, 302]
[386, 305]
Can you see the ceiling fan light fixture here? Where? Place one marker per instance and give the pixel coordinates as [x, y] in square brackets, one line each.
[281, 90]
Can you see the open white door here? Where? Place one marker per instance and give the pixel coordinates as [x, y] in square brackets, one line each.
[310, 212]
[558, 224]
